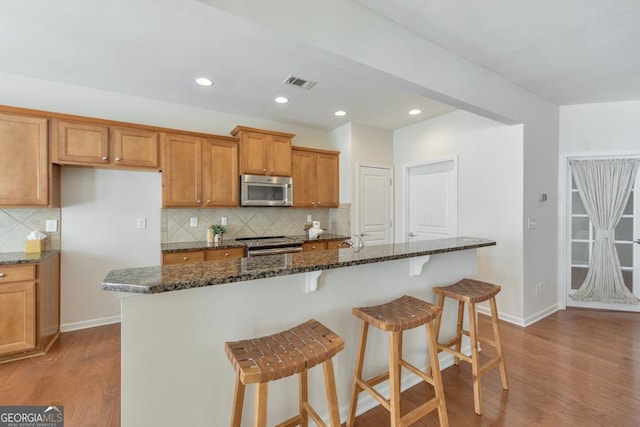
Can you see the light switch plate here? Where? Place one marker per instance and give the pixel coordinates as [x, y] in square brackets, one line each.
[51, 226]
[223, 220]
[141, 223]
[193, 222]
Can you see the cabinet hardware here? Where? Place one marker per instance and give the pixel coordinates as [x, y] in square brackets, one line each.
[118, 159]
[105, 158]
[226, 254]
[198, 202]
[185, 258]
[2, 274]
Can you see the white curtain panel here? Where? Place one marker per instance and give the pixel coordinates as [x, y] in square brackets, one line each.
[604, 187]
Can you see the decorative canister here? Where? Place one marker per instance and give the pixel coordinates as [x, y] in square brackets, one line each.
[211, 236]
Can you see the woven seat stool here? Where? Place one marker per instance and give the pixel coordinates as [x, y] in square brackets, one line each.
[294, 351]
[395, 317]
[471, 292]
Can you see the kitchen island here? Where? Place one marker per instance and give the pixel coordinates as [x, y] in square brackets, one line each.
[176, 318]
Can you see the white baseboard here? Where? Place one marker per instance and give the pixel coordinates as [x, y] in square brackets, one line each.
[541, 315]
[519, 320]
[92, 323]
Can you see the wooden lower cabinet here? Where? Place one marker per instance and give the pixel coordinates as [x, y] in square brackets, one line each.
[187, 257]
[337, 244]
[29, 308]
[322, 245]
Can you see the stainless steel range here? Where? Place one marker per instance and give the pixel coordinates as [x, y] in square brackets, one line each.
[257, 246]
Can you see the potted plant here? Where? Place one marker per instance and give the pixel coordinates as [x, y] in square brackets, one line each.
[216, 231]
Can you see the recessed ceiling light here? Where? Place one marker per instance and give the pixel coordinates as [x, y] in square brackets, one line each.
[415, 112]
[340, 113]
[203, 81]
[281, 100]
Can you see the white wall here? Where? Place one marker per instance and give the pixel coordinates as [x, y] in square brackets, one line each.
[490, 179]
[99, 234]
[90, 194]
[356, 38]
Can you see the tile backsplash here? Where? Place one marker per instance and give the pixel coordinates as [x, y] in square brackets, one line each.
[16, 224]
[249, 222]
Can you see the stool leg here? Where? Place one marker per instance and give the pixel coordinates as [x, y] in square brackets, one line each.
[475, 359]
[332, 395]
[437, 327]
[394, 377]
[238, 401]
[498, 340]
[357, 375]
[434, 368]
[260, 408]
[456, 360]
[303, 398]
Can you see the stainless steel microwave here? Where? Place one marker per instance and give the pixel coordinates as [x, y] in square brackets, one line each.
[258, 190]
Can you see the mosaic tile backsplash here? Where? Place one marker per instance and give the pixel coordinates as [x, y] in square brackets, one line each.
[16, 224]
[249, 222]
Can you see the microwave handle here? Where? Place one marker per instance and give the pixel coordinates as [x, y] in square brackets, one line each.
[286, 194]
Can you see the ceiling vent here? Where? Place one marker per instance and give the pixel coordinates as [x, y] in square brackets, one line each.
[297, 81]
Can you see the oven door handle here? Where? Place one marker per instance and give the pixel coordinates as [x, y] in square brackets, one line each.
[274, 251]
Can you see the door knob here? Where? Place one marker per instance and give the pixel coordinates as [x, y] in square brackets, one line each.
[363, 234]
[412, 235]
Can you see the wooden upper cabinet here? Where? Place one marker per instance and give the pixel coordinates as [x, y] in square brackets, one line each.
[315, 178]
[135, 147]
[181, 171]
[79, 143]
[24, 163]
[199, 172]
[91, 144]
[264, 152]
[220, 182]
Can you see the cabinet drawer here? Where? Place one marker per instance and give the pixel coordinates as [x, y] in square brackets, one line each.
[337, 244]
[314, 246]
[17, 273]
[223, 253]
[182, 257]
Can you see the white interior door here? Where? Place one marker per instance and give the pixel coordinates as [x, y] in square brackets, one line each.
[375, 204]
[432, 200]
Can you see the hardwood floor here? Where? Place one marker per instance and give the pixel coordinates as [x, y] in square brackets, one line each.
[574, 368]
[81, 372]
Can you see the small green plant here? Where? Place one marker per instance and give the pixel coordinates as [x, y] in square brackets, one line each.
[218, 229]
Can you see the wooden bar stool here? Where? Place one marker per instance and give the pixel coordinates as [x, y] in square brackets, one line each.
[294, 351]
[472, 292]
[396, 317]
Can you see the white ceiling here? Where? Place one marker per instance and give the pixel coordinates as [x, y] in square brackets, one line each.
[569, 51]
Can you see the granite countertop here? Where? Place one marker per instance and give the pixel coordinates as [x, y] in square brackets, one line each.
[192, 246]
[24, 258]
[151, 280]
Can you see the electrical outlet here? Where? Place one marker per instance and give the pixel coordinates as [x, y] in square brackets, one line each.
[309, 218]
[532, 223]
[193, 222]
[539, 289]
[223, 220]
[51, 226]
[141, 223]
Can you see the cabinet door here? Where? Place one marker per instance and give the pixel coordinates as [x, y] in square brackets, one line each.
[279, 156]
[135, 147]
[304, 178]
[253, 153]
[223, 253]
[186, 257]
[77, 142]
[220, 173]
[327, 185]
[181, 171]
[17, 316]
[24, 163]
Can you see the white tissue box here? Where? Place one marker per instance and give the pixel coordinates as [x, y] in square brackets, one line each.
[33, 246]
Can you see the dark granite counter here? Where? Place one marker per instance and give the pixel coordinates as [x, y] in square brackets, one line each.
[194, 246]
[150, 280]
[23, 258]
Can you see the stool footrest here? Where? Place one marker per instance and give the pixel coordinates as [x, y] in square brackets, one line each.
[428, 379]
[487, 366]
[291, 422]
[419, 412]
[455, 353]
[368, 387]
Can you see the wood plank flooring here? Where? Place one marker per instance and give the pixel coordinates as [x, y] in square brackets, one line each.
[574, 368]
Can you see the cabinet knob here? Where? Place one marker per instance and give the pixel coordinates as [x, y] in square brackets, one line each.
[185, 258]
[105, 158]
[319, 203]
[198, 201]
[208, 201]
[2, 274]
[313, 247]
[313, 203]
[118, 159]
[264, 170]
[271, 170]
[226, 254]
